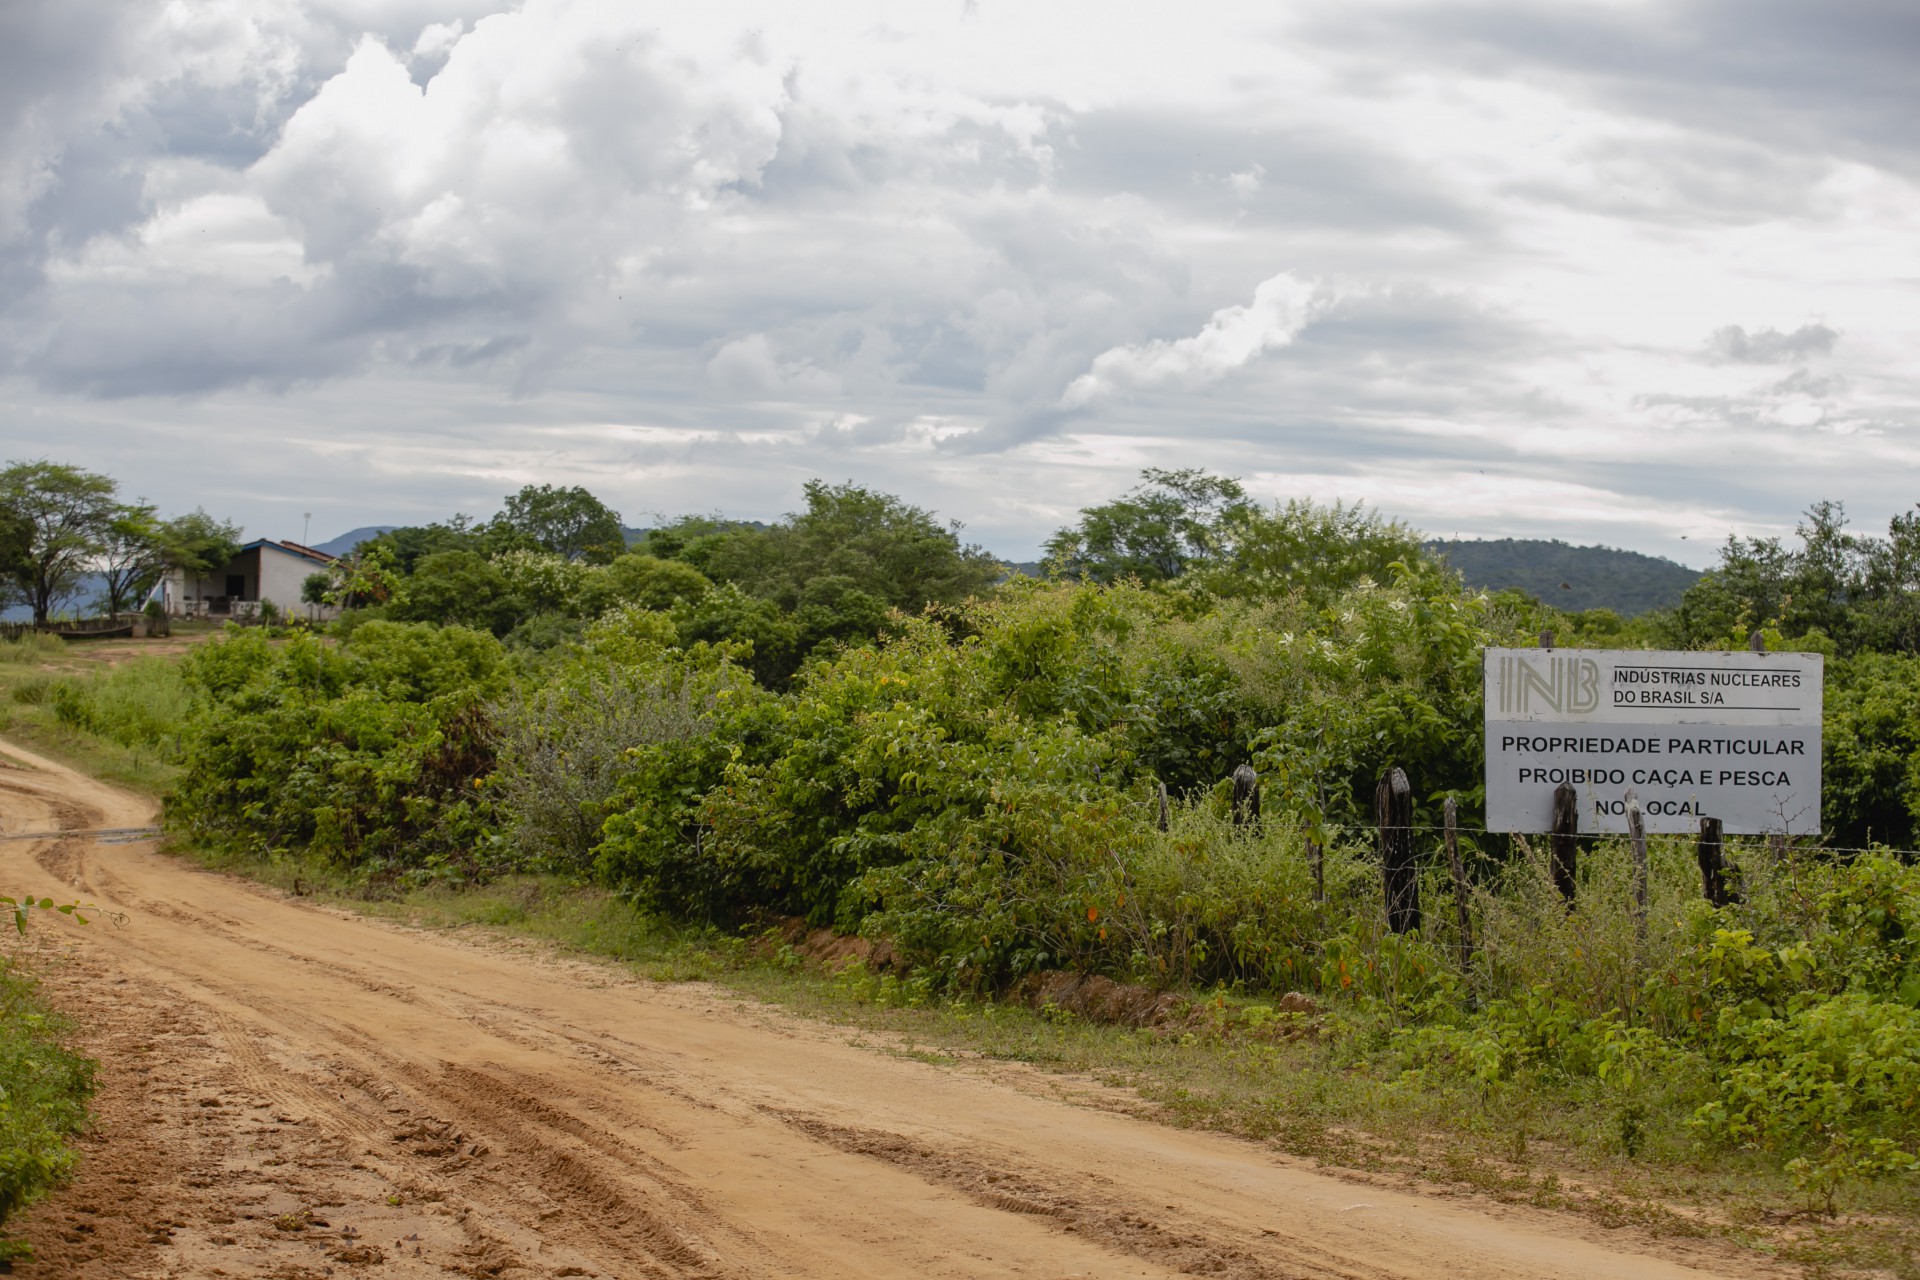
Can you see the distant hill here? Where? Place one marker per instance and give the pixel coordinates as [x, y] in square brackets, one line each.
[346, 542]
[1570, 577]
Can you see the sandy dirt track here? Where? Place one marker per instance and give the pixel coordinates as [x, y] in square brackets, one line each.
[292, 1091]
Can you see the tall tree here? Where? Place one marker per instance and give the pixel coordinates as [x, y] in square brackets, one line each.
[570, 523]
[853, 540]
[132, 557]
[197, 544]
[1304, 547]
[16, 548]
[1170, 522]
[367, 577]
[412, 543]
[69, 512]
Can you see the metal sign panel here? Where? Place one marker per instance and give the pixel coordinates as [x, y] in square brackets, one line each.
[1734, 736]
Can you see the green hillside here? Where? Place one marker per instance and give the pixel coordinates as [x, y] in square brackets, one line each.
[1570, 577]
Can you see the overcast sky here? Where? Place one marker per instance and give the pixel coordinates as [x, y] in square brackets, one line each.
[1611, 272]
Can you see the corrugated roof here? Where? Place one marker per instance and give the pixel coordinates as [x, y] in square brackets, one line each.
[292, 549]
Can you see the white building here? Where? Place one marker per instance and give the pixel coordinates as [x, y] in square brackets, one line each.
[263, 570]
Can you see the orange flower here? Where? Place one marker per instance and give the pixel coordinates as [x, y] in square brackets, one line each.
[1093, 913]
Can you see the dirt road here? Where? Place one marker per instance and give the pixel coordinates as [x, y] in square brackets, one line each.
[291, 1091]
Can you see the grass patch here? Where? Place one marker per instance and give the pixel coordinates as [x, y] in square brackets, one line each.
[110, 709]
[44, 1087]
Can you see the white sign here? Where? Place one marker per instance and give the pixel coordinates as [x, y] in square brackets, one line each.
[1733, 736]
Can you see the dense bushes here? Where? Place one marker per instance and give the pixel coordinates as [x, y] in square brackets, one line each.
[369, 750]
[569, 750]
[929, 778]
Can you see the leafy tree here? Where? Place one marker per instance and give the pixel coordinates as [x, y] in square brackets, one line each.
[16, 552]
[569, 523]
[197, 544]
[691, 539]
[459, 588]
[1870, 777]
[654, 583]
[69, 512]
[314, 587]
[729, 616]
[893, 552]
[1171, 521]
[1862, 591]
[367, 577]
[836, 569]
[412, 543]
[132, 557]
[1265, 553]
[1889, 619]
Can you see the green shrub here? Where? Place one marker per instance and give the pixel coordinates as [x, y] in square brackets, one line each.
[568, 748]
[1845, 1065]
[44, 1087]
[371, 751]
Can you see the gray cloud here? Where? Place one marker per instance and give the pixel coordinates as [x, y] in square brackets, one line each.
[692, 263]
[1770, 346]
[1227, 168]
[1830, 78]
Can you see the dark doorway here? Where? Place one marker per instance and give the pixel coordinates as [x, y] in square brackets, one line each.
[236, 586]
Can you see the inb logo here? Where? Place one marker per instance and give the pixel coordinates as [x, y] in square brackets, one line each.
[1569, 686]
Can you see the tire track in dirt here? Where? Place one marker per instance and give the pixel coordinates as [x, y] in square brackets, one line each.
[1097, 1213]
[293, 1092]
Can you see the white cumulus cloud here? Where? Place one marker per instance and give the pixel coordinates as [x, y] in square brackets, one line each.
[1282, 306]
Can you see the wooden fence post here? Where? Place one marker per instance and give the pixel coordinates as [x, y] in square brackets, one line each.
[1315, 851]
[1393, 812]
[1246, 796]
[1163, 806]
[1451, 812]
[1711, 852]
[1562, 846]
[1637, 833]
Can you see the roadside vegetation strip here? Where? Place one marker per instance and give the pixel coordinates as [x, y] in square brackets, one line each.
[44, 1087]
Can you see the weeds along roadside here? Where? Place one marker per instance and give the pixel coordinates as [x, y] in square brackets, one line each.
[44, 1088]
[101, 707]
[1517, 1077]
[45, 1083]
[118, 718]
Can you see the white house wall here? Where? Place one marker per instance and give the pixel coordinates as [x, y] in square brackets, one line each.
[282, 576]
[279, 577]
